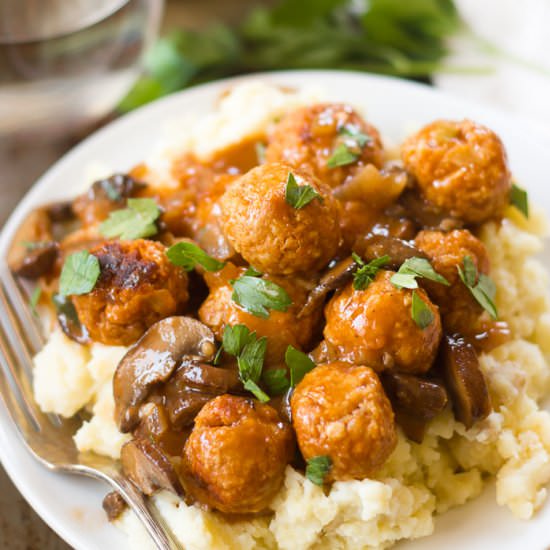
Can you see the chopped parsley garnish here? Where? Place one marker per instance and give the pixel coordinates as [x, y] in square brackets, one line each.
[258, 296]
[250, 352]
[79, 274]
[317, 468]
[518, 197]
[341, 156]
[260, 151]
[34, 299]
[299, 196]
[252, 271]
[235, 338]
[188, 255]
[416, 267]
[354, 132]
[420, 312]
[134, 222]
[366, 273]
[481, 286]
[276, 381]
[298, 363]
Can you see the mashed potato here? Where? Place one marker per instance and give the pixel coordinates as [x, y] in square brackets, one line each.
[418, 481]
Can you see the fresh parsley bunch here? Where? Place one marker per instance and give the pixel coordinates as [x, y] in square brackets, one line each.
[396, 37]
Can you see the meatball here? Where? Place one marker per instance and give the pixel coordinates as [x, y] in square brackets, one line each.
[460, 167]
[374, 327]
[282, 328]
[271, 234]
[137, 287]
[308, 137]
[459, 309]
[235, 458]
[341, 411]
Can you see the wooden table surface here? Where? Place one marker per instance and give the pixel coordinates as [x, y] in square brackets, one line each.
[22, 162]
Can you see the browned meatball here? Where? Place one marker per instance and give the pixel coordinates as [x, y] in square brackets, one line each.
[137, 287]
[282, 328]
[461, 167]
[308, 137]
[341, 411]
[235, 458]
[374, 327]
[446, 251]
[271, 234]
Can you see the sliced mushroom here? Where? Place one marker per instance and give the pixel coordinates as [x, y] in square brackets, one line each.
[61, 211]
[464, 380]
[336, 277]
[153, 359]
[373, 246]
[192, 386]
[413, 427]
[114, 505]
[148, 467]
[104, 196]
[33, 251]
[426, 214]
[413, 395]
[68, 320]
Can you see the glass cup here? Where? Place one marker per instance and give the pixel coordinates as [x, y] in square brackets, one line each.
[66, 63]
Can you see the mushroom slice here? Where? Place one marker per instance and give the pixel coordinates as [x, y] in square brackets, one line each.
[193, 385]
[148, 467]
[426, 214]
[413, 395]
[465, 381]
[68, 320]
[336, 277]
[114, 505]
[373, 246]
[153, 359]
[33, 251]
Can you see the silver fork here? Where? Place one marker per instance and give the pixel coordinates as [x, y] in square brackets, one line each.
[48, 437]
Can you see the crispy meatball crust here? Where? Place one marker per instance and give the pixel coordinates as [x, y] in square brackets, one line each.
[137, 287]
[460, 311]
[235, 458]
[282, 328]
[272, 235]
[461, 167]
[341, 411]
[306, 138]
[374, 327]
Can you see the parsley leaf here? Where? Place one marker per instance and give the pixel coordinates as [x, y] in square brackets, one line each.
[420, 312]
[260, 151]
[299, 196]
[252, 271]
[253, 388]
[235, 338]
[79, 274]
[276, 381]
[341, 156]
[34, 299]
[134, 222]
[299, 365]
[416, 267]
[251, 359]
[317, 468]
[484, 291]
[364, 276]
[256, 295]
[188, 255]
[354, 132]
[518, 197]
[250, 352]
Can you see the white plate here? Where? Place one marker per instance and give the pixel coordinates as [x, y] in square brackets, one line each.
[71, 505]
